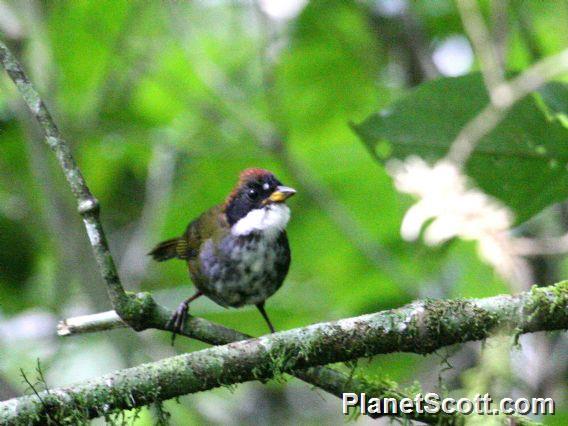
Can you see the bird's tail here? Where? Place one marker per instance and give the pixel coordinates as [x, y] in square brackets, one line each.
[166, 250]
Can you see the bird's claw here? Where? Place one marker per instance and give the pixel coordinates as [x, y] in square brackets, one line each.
[177, 320]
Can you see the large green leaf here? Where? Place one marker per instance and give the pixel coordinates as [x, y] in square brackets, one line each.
[555, 96]
[523, 162]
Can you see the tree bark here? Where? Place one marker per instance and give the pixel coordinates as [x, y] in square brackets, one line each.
[421, 327]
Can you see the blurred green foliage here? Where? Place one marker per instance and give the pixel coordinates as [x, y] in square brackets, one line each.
[214, 84]
[426, 122]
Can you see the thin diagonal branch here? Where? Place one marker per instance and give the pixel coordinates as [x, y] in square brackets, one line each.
[506, 95]
[421, 327]
[482, 43]
[503, 94]
[88, 205]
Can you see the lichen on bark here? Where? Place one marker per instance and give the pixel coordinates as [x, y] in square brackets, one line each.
[438, 323]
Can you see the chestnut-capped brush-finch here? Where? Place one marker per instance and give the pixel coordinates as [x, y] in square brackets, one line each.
[237, 252]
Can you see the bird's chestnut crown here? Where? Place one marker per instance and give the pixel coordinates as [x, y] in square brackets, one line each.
[256, 189]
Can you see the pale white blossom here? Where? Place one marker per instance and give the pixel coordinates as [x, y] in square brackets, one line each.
[450, 206]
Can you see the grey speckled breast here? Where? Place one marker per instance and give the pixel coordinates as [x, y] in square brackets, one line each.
[243, 270]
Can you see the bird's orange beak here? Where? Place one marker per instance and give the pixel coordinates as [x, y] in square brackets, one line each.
[281, 194]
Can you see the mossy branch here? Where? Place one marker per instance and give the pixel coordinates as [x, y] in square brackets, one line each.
[421, 327]
[330, 380]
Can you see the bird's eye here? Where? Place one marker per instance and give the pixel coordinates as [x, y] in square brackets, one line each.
[252, 193]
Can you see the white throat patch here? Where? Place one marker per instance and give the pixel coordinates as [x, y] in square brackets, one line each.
[270, 220]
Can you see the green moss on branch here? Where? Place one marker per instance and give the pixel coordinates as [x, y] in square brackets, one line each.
[420, 327]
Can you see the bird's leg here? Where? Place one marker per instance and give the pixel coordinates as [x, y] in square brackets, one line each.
[180, 315]
[260, 307]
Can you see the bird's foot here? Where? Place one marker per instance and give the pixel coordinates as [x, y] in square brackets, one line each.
[177, 320]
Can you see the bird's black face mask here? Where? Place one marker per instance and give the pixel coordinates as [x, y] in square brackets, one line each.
[254, 194]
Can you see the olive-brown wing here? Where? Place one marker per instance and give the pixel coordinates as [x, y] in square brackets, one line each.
[210, 225]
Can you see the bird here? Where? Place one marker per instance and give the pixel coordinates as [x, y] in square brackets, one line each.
[237, 252]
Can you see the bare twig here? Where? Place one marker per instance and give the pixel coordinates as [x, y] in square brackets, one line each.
[484, 47]
[506, 95]
[41, 377]
[108, 320]
[531, 79]
[502, 94]
[543, 246]
[34, 390]
[88, 205]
